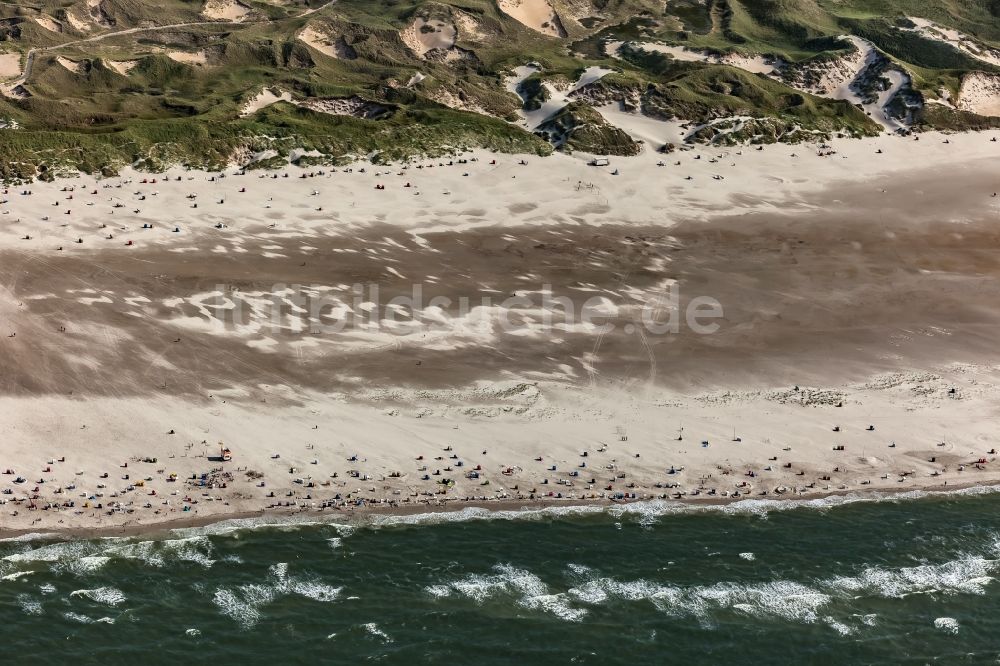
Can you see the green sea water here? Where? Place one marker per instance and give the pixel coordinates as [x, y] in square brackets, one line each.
[836, 581]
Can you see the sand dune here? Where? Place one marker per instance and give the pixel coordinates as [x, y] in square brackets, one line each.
[71, 65]
[225, 10]
[319, 41]
[263, 99]
[78, 24]
[751, 63]
[557, 98]
[535, 14]
[980, 93]
[123, 67]
[960, 41]
[49, 23]
[196, 58]
[10, 65]
[348, 106]
[422, 36]
[468, 26]
[837, 79]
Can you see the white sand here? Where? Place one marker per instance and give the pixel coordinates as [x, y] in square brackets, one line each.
[75, 67]
[838, 80]
[558, 97]
[319, 41]
[123, 67]
[422, 36]
[980, 93]
[264, 98]
[10, 65]
[78, 24]
[48, 23]
[960, 41]
[751, 63]
[548, 184]
[197, 58]
[468, 26]
[225, 10]
[631, 442]
[535, 14]
[350, 106]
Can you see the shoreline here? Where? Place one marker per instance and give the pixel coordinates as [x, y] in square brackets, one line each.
[510, 510]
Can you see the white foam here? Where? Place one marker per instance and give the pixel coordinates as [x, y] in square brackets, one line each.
[374, 630]
[30, 605]
[87, 564]
[524, 587]
[244, 603]
[83, 619]
[966, 575]
[196, 549]
[948, 624]
[110, 596]
[16, 575]
[838, 626]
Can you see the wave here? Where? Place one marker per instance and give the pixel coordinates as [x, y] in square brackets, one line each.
[110, 596]
[83, 558]
[524, 587]
[55, 552]
[16, 575]
[244, 603]
[969, 574]
[195, 549]
[811, 601]
[84, 619]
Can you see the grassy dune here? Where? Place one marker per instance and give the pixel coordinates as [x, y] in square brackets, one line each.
[180, 96]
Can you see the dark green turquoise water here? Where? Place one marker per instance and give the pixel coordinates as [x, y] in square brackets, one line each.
[907, 581]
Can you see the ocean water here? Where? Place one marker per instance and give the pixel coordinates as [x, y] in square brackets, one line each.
[836, 581]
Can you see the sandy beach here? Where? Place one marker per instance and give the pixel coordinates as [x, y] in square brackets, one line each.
[147, 326]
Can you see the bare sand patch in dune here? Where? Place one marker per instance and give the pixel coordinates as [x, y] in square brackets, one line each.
[123, 67]
[264, 98]
[73, 66]
[980, 94]
[425, 35]
[319, 41]
[347, 106]
[10, 65]
[49, 23]
[77, 23]
[468, 27]
[225, 10]
[535, 14]
[960, 41]
[197, 58]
